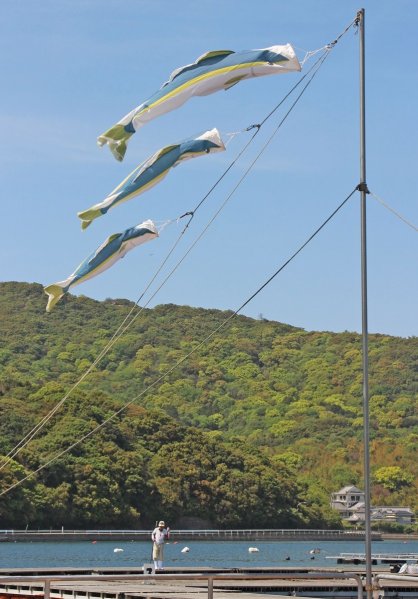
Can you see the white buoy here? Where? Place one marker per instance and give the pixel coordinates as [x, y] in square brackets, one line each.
[185, 550]
[252, 550]
[117, 550]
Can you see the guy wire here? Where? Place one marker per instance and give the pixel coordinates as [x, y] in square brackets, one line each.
[184, 358]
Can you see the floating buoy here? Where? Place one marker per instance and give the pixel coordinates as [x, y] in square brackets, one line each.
[185, 550]
[252, 550]
[117, 550]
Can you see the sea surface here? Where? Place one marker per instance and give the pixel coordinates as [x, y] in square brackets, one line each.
[216, 554]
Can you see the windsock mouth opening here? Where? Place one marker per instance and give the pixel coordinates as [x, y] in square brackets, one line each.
[213, 136]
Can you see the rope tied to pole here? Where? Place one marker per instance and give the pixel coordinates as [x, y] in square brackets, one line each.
[363, 187]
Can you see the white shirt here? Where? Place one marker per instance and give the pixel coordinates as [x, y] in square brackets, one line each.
[159, 536]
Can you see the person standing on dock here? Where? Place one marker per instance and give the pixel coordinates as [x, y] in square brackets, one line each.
[159, 536]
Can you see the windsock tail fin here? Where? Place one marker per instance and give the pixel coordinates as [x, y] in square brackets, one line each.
[55, 293]
[118, 150]
[85, 224]
[116, 138]
[87, 217]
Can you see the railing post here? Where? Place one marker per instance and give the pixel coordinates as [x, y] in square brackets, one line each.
[47, 589]
[210, 587]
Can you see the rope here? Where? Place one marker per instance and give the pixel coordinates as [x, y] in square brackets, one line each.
[185, 357]
[314, 234]
[327, 49]
[402, 218]
[122, 328]
[311, 53]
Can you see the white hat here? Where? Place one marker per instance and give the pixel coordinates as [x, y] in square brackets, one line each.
[161, 523]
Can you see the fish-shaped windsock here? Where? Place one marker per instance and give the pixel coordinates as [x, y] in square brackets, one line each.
[112, 250]
[153, 170]
[215, 70]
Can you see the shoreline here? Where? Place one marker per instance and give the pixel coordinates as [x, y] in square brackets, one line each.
[198, 535]
[190, 535]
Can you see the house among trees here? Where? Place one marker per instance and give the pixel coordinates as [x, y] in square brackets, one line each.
[346, 498]
[349, 502]
[400, 515]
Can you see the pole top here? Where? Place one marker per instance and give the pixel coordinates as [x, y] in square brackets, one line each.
[359, 16]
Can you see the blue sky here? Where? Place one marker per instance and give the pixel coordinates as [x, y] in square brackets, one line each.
[72, 68]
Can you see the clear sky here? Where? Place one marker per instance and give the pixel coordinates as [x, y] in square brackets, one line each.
[72, 68]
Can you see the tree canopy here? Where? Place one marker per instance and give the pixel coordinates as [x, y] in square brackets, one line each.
[259, 425]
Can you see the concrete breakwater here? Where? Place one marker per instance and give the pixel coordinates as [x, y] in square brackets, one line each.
[184, 535]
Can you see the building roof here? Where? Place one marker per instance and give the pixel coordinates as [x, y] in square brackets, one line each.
[349, 489]
[357, 507]
[395, 510]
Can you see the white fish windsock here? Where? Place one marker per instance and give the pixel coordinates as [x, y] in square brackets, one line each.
[215, 70]
[112, 250]
[153, 170]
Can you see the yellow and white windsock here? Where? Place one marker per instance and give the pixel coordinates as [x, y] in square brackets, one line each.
[153, 170]
[215, 70]
[113, 249]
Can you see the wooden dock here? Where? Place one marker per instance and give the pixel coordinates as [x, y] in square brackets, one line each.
[183, 586]
[202, 583]
[199, 583]
[377, 558]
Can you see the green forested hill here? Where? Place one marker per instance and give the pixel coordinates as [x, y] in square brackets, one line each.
[257, 426]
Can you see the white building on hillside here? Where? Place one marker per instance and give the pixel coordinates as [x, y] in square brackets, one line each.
[345, 499]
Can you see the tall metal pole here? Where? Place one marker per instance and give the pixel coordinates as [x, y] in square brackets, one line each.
[363, 191]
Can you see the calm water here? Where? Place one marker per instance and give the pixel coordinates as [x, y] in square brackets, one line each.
[218, 554]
